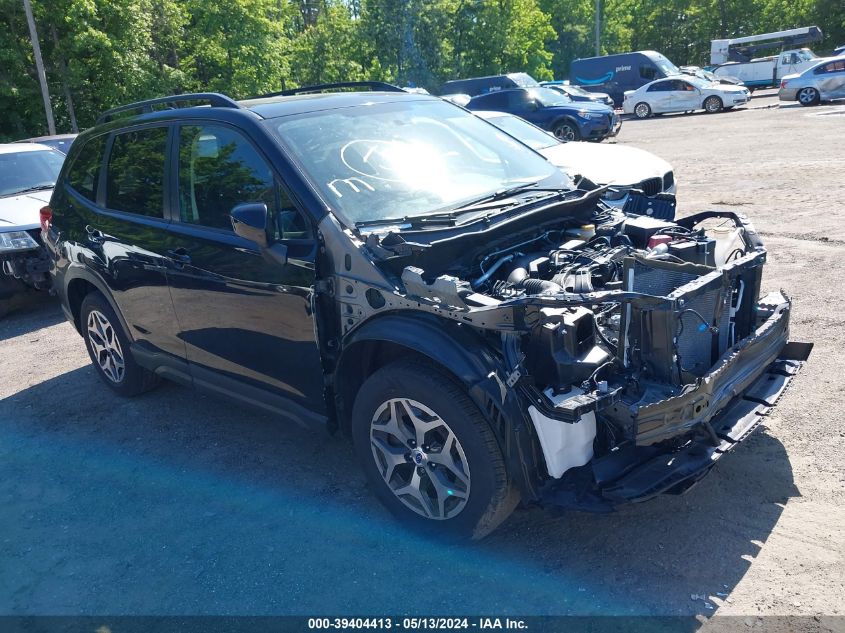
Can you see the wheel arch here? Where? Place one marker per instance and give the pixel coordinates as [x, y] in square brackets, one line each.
[80, 282]
[466, 358]
[565, 118]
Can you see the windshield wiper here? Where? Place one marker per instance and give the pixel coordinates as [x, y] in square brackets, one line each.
[495, 201]
[31, 189]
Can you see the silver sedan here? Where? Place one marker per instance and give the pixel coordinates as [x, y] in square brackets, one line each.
[823, 82]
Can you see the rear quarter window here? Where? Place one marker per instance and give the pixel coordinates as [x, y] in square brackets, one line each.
[84, 173]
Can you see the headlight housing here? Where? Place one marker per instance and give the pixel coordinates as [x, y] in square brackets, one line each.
[588, 115]
[13, 241]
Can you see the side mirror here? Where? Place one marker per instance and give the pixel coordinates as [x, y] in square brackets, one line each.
[250, 222]
[533, 105]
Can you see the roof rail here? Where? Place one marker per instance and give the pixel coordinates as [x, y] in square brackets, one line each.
[213, 98]
[372, 85]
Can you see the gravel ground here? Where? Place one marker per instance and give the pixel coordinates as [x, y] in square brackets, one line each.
[178, 503]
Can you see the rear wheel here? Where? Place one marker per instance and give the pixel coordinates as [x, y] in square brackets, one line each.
[808, 97]
[429, 454]
[642, 110]
[108, 347]
[712, 105]
[566, 131]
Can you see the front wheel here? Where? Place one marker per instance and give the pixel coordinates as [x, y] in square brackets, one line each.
[429, 454]
[642, 110]
[566, 131]
[808, 97]
[712, 105]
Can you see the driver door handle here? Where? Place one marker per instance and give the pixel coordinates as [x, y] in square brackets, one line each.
[180, 256]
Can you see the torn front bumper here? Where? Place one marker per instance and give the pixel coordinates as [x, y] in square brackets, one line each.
[679, 439]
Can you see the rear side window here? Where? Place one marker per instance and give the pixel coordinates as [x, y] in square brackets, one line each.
[135, 175]
[84, 173]
[219, 169]
[662, 86]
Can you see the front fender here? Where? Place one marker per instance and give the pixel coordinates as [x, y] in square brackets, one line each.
[462, 352]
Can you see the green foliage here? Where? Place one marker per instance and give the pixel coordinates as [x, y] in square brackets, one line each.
[102, 53]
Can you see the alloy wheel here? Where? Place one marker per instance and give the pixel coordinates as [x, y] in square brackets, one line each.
[807, 95]
[565, 132]
[420, 458]
[106, 346]
[642, 110]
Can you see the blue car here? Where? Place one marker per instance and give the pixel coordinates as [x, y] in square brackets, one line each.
[554, 112]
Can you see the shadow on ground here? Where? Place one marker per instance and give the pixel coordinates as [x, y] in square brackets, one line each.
[178, 503]
[30, 311]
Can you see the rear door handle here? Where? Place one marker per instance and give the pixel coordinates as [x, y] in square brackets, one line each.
[179, 255]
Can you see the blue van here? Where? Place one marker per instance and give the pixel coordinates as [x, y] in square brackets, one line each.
[482, 85]
[614, 74]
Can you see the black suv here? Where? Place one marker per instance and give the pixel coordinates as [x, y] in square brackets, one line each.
[395, 267]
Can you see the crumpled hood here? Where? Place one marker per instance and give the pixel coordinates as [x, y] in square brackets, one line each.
[20, 213]
[606, 164]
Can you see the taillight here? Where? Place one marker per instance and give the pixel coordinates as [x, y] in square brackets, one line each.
[46, 214]
[783, 83]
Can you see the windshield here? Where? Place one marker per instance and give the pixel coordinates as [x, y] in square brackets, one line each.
[806, 54]
[22, 171]
[548, 97]
[575, 90]
[523, 131]
[407, 158]
[699, 82]
[665, 66]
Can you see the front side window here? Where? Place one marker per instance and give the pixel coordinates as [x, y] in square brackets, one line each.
[84, 173]
[25, 171]
[218, 170]
[406, 158]
[135, 173]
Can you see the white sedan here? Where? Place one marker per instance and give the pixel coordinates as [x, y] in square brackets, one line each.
[620, 166]
[683, 94]
[28, 173]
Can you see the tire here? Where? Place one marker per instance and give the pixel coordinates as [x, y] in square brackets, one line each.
[808, 97]
[466, 493]
[566, 131]
[642, 110]
[108, 347]
[712, 105]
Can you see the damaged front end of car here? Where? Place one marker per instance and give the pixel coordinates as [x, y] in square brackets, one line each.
[625, 354]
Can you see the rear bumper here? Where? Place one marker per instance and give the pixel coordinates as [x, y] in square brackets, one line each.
[680, 439]
[787, 94]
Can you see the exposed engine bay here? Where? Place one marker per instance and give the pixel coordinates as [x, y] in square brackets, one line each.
[626, 337]
[613, 318]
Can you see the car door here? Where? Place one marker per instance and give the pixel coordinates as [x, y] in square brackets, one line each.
[125, 241]
[831, 80]
[686, 95]
[247, 323]
[658, 96]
